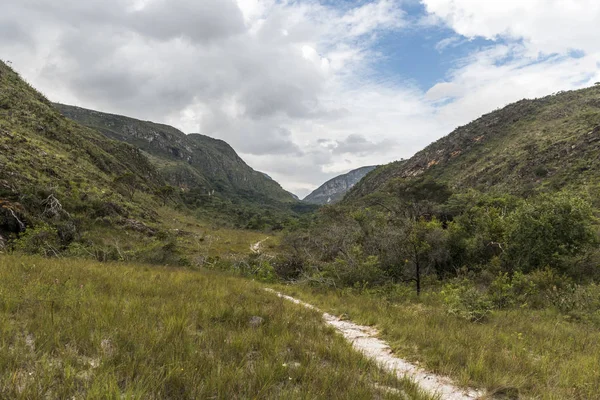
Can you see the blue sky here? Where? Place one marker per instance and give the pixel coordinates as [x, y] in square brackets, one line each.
[304, 89]
[418, 55]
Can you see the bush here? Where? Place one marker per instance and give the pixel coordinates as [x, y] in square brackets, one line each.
[465, 301]
[42, 240]
[255, 266]
[288, 267]
[578, 302]
[548, 230]
[355, 268]
[159, 252]
[506, 292]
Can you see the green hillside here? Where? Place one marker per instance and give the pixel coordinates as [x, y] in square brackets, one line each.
[60, 176]
[66, 189]
[189, 161]
[532, 145]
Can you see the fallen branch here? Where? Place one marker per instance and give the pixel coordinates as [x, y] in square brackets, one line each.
[21, 224]
[53, 207]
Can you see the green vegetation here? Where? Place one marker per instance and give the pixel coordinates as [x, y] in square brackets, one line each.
[76, 328]
[207, 173]
[497, 291]
[419, 227]
[519, 352]
[186, 161]
[526, 147]
[478, 258]
[61, 183]
[68, 190]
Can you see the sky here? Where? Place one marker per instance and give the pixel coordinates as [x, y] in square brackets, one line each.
[304, 90]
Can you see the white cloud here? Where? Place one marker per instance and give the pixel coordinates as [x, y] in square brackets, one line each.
[532, 57]
[270, 77]
[547, 26]
[273, 77]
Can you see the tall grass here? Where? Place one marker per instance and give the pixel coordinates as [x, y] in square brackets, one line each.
[519, 353]
[79, 329]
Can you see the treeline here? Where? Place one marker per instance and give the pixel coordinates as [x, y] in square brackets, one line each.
[419, 229]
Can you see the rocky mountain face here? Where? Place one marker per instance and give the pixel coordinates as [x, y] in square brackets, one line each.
[531, 145]
[191, 161]
[334, 190]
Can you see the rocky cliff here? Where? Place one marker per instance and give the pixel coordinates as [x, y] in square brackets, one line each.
[191, 161]
[334, 189]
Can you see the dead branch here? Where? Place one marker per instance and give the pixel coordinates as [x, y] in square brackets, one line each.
[53, 207]
[21, 224]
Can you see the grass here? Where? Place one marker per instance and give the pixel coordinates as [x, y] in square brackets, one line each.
[200, 238]
[523, 353]
[74, 328]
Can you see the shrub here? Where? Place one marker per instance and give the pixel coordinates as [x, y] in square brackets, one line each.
[465, 301]
[548, 230]
[355, 268]
[518, 290]
[42, 239]
[288, 267]
[577, 301]
[254, 266]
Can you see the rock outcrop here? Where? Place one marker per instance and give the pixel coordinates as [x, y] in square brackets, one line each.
[334, 189]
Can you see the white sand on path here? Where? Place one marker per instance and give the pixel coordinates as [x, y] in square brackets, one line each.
[364, 339]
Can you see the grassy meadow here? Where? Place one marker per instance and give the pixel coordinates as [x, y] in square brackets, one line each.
[72, 328]
[514, 354]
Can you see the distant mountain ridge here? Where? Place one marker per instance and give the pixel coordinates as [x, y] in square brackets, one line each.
[334, 189]
[531, 145]
[192, 161]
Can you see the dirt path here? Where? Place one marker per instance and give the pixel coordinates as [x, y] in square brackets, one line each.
[364, 339]
[255, 248]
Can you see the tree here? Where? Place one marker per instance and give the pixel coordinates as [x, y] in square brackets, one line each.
[420, 197]
[165, 193]
[477, 232]
[424, 246]
[128, 183]
[420, 239]
[545, 230]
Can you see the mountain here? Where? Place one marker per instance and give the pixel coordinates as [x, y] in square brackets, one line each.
[334, 189]
[194, 161]
[67, 189]
[531, 145]
[57, 175]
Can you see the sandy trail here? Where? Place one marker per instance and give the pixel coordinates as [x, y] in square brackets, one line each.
[255, 248]
[364, 339]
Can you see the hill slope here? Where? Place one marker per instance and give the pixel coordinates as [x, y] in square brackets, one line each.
[66, 189]
[54, 172]
[334, 189]
[189, 161]
[551, 142]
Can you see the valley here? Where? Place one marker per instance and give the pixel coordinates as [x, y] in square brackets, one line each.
[134, 260]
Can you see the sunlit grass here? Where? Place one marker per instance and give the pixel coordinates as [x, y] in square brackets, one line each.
[79, 329]
[208, 239]
[526, 353]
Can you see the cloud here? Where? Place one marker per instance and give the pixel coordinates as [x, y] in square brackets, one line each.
[356, 144]
[264, 75]
[294, 85]
[198, 21]
[546, 26]
[531, 58]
